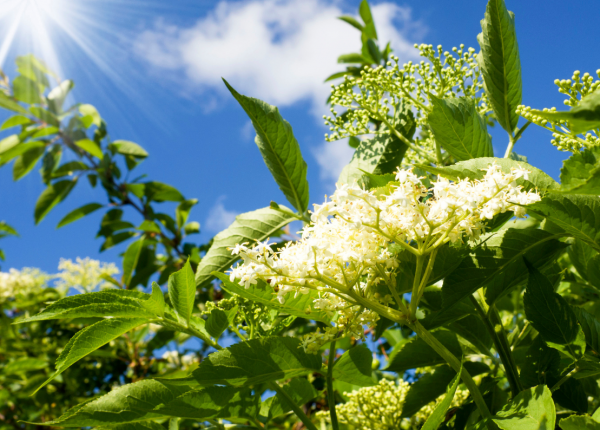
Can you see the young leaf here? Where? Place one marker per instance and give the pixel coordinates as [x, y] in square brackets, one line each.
[459, 128]
[416, 353]
[279, 148]
[79, 213]
[217, 322]
[580, 173]
[90, 339]
[300, 305]
[439, 414]
[532, 408]
[90, 147]
[354, 367]
[248, 227]
[182, 291]
[156, 302]
[500, 63]
[126, 147]
[51, 196]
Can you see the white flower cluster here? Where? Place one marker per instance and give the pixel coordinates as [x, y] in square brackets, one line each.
[21, 282]
[85, 274]
[346, 248]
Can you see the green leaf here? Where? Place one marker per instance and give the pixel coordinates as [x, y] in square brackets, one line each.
[248, 227]
[352, 21]
[26, 91]
[416, 353]
[50, 197]
[182, 212]
[254, 362]
[580, 173]
[473, 330]
[353, 58]
[500, 63]
[7, 102]
[472, 169]
[90, 339]
[56, 97]
[44, 115]
[498, 265]
[68, 168]
[217, 322]
[433, 384]
[459, 128]
[26, 162]
[113, 303]
[547, 311]
[581, 118]
[438, 416]
[279, 148]
[582, 256]
[126, 147]
[354, 367]
[14, 121]
[299, 389]
[23, 365]
[364, 11]
[182, 291]
[575, 422]
[591, 328]
[7, 229]
[90, 115]
[540, 363]
[90, 147]
[131, 259]
[593, 271]
[9, 143]
[577, 215]
[79, 213]
[160, 192]
[300, 305]
[530, 409]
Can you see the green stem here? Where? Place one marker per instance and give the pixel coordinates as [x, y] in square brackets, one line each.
[438, 154]
[455, 363]
[330, 390]
[297, 410]
[495, 330]
[513, 139]
[414, 300]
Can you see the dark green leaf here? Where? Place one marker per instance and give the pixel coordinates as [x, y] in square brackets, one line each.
[182, 291]
[131, 258]
[352, 21]
[50, 197]
[126, 147]
[247, 227]
[6, 229]
[500, 63]
[217, 322]
[571, 395]
[364, 11]
[79, 213]
[530, 409]
[459, 128]
[279, 148]
[439, 414]
[580, 173]
[299, 389]
[541, 362]
[417, 353]
[354, 367]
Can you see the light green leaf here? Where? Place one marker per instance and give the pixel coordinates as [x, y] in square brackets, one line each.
[182, 211]
[90, 339]
[90, 113]
[9, 143]
[79, 213]
[182, 291]
[416, 353]
[174, 424]
[68, 168]
[6, 229]
[459, 128]
[575, 422]
[248, 227]
[217, 322]
[596, 415]
[581, 118]
[14, 121]
[149, 226]
[23, 365]
[156, 302]
[364, 11]
[26, 91]
[354, 367]
[51, 196]
[353, 58]
[44, 115]
[279, 148]
[352, 21]
[126, 147]
[580, 173]
[472, 169]
[530, 409]
[160, 192]
[577, 215]
[439, 414]
[300, 305]
[56, 97]
[500, 63]
[299, 389]
[7, 102]
[131, 259]
[26, 162]
[91, 147]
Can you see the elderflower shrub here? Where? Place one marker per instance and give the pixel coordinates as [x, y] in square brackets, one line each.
[21, 283]
[346, 248]
[576, 88]
[372, 101]
[85, 274]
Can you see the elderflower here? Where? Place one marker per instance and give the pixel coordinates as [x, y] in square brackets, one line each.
[85, 274]
[21, 282]
[345, 252]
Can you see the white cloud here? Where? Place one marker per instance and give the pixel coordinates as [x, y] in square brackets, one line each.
[219, 218]
[332, 157]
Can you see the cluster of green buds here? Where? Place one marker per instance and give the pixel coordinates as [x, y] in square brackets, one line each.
[576, 88]
[372, 100]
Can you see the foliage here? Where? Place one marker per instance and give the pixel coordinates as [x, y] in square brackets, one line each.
[474, 278]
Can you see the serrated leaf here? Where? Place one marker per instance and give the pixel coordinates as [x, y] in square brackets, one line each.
[126, 147]
[299, 305]
[439, 414]
[156, 302]
[500, 63]
[530, 409]
[578, 215]
[79, 213]
[51, 196]
[217, 322]
[26, 162]
[459, 128]
[580, 173]
[579, 422]
[248, 227]
[354, 367]
[89, 339]
[416, 353]
[299, 389]
[182, 291]
[472, 169]
[279, 148]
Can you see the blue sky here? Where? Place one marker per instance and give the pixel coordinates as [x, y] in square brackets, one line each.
[153, 71]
